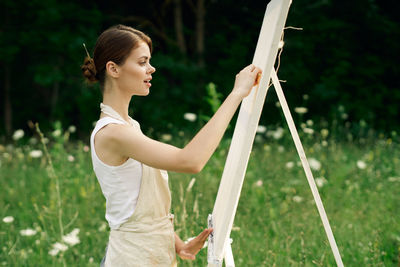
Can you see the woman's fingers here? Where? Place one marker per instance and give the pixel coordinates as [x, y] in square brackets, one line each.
[203, 235]
[252, 69]
[186, 255]
[249, 68]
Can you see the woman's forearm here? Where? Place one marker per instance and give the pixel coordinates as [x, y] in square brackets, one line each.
[199, 150]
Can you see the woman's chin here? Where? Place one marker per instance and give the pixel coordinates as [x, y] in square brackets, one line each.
[144, 92]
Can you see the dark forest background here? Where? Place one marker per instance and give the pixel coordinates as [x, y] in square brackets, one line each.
[346, 58]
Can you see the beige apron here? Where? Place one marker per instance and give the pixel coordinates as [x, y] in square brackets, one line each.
[147, 238]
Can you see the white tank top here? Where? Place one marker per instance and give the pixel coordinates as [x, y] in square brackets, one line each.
[120, 184]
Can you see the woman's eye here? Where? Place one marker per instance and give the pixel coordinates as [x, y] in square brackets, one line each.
[142, 63]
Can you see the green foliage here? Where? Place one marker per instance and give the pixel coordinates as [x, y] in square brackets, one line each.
[276, 221]
[213, 98]
[339, 58]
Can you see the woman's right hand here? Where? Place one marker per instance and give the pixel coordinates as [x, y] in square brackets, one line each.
[245, 80]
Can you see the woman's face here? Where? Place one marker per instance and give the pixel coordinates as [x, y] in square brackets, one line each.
[135, 73]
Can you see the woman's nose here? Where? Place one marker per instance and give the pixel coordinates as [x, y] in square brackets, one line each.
[152, 69]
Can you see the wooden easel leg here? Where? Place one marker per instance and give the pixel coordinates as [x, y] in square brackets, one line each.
[228, 257]
[306, 167]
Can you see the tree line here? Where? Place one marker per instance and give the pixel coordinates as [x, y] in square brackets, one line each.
[345, 57]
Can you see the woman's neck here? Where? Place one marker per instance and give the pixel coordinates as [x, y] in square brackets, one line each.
[118, 102]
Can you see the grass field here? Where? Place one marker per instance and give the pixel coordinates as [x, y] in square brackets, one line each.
[53, 214]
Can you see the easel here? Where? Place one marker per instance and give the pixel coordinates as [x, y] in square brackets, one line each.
[221, 220]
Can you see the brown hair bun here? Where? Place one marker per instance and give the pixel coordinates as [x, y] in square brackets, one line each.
[89, 69]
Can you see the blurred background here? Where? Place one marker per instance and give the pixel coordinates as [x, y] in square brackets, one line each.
[344, 58]
[340, 66]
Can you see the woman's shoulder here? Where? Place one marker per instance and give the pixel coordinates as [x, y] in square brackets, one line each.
[112, 130]
[116, 133]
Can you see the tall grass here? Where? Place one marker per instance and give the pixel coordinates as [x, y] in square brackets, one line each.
[276, 223]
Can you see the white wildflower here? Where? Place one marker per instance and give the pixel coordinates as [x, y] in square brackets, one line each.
[300, 110]
[324, 133]
[166, 137]
[261, 129]
[309, 123]
[277, 134]
[303, 125]
[190, 116]
[259, 183]
[320, 181]
[103, 227]
[91, 260]
[28, 232]
[18, 134]
[289, 164]
[57, 247]
[277, 104]
[305, 97]
[341, 108]
[72, 238]
[324, 143]
[361, 164]
[36, 153]
[314, 164]
[70, 158]
[308, 130]
[85, 148]
[8, 219]
[60, 246]
[297, 199]
[72, 129]
[281, 149]
[344, 116]
[56, 133]
[33, 141]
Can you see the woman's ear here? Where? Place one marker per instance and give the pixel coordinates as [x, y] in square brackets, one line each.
[112, 69]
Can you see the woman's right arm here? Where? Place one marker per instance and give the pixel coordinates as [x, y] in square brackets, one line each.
[192, 158]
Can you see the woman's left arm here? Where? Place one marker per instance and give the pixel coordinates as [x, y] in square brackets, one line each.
[188, 251]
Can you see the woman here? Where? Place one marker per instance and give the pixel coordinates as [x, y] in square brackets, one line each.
[130, 167]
